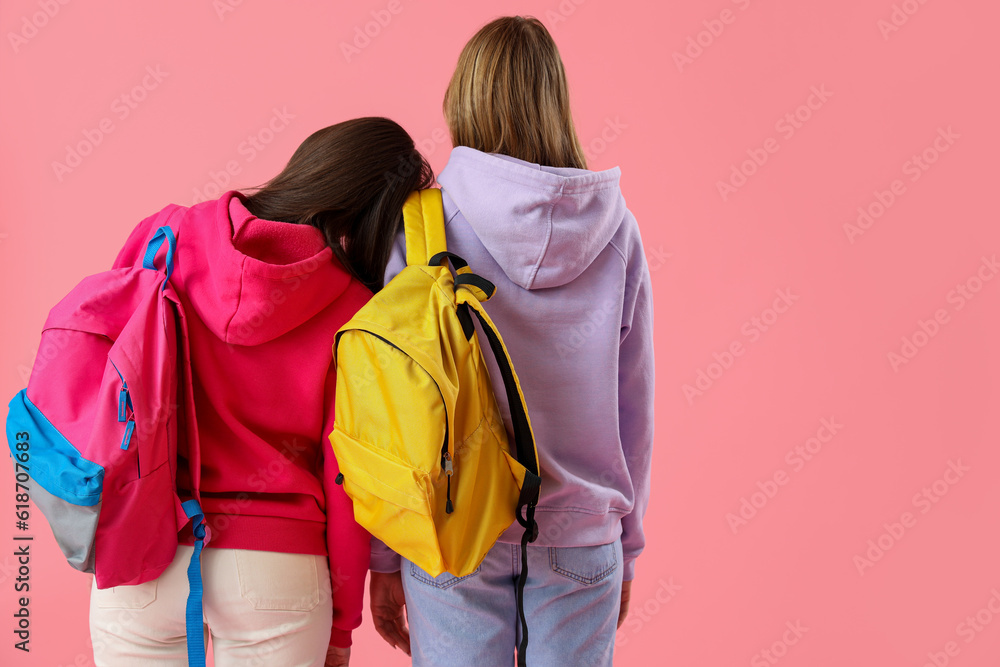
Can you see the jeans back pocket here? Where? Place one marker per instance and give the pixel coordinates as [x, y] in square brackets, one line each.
[280, 581]
[587, 565]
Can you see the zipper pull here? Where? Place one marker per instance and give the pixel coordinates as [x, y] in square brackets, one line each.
[127, 438]
[122, 400]
[449, 470]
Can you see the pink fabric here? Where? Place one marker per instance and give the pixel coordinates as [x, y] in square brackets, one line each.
[264, 301]
[76, 389]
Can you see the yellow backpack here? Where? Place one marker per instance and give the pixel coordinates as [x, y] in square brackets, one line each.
[421, 446]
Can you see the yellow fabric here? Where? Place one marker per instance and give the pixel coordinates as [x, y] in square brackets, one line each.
[409, 383]
[425, 237]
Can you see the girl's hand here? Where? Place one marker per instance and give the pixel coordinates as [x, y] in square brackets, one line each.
[338, 657]
[387, 605]
[626, 596]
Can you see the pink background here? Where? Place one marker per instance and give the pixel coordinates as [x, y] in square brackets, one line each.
[709, 591]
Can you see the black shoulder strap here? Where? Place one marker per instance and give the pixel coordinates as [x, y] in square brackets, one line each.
[524, 446]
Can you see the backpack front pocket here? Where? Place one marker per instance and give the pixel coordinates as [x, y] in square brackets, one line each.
[390, 498]
[373, 478]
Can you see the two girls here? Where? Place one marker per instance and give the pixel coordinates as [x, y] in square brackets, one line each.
[267, 280]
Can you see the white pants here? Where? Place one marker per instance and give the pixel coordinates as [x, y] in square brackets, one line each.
[261, 608]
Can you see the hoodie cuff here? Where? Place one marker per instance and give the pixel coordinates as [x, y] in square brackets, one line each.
[340, 638]
[383, 559]
[628, 571]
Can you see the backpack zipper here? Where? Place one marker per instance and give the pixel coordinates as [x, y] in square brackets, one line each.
[126, 413]
[122, 401]
[449, 470]
[446, 461]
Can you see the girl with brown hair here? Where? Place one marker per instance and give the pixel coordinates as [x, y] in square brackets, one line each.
[265, 280]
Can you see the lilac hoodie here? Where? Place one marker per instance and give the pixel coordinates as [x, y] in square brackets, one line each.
[574, 305]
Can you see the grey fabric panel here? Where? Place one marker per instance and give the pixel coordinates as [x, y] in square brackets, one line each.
[73, 525]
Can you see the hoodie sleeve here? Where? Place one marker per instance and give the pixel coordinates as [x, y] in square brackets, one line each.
[384, 559]
[635, 395]
[347, 542]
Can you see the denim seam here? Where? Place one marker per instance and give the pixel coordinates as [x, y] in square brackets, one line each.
[424, 578]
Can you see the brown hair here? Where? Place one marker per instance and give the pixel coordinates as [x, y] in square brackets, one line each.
[509, 95]
[349, 181]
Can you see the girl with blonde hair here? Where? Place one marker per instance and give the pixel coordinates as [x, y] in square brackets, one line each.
[574, 304]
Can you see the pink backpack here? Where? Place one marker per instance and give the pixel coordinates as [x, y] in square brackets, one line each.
[94, 437]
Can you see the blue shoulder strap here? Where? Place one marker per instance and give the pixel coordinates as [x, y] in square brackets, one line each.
[148, 261]
[194, 617]
[194, 614]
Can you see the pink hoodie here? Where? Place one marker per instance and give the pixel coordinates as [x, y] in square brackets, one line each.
[264, 300]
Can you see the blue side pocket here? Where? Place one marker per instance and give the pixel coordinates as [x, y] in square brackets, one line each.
[65, 486]
[53, 463]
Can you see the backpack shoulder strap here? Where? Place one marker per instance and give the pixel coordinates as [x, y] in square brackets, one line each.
[423, 220]
[163, 233]
[524, 437]
[194, 607]
[524, 443]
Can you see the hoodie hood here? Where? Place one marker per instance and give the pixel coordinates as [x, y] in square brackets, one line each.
[543, 225]
[251, 280]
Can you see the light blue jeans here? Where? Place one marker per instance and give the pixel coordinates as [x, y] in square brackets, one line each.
[571, 603]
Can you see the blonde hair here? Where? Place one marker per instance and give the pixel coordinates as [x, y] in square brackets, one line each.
[509, 95]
